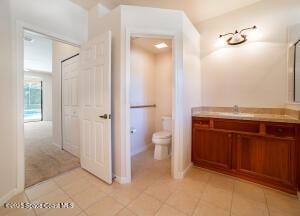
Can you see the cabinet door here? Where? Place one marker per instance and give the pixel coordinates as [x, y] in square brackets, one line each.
[267, 159]
[211, 149]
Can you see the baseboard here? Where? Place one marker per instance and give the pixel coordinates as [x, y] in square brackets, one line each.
[72, 150]
[180, 175]
[142, 149]
[121, 180]
[8, 196]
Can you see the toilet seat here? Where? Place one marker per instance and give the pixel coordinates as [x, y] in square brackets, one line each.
[162, 135]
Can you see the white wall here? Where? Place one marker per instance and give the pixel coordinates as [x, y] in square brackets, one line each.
[60, 17]
[7, 115]
[46, 78]
[97, 25]
[61, 52]
[142, 92]
[252, 74]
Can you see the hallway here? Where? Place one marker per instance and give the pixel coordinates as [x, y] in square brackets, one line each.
[43, 160]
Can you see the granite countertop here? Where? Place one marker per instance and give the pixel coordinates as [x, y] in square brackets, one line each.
[252, 116]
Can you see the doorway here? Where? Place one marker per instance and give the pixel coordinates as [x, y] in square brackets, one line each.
[44, 154]
[151, 127]
[33, 99]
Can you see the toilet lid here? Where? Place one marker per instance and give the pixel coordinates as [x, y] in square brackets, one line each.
[162, 135]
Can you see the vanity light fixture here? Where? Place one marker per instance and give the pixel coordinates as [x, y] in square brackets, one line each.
[161, 45]
[236, 38]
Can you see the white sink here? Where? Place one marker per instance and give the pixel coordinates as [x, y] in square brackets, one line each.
[236, 114]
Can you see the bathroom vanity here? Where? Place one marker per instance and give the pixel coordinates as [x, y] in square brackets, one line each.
[262, 148]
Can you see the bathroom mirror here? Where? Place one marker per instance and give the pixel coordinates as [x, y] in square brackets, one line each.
[297, 72]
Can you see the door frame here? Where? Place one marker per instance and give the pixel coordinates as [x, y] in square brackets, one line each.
[18, 86]
[177, 87]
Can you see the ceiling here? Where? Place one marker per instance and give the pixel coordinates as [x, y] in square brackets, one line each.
[37, 52]
[148, 44]
[196, 10]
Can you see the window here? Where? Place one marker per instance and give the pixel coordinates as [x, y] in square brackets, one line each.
[33, 102]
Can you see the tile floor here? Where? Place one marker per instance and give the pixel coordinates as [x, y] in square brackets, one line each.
[154, 192]
[43, 160]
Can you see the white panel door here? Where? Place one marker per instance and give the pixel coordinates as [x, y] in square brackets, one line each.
[95, 107]
[70, 105]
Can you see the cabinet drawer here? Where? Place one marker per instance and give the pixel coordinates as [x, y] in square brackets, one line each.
[281, 130]
[239, 126]
[204, 123]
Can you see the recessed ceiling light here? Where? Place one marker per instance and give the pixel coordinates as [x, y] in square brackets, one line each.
[161, 45]
[28, 39]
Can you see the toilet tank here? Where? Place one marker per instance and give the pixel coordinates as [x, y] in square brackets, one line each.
[166, 123]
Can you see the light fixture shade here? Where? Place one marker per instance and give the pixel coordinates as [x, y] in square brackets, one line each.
[239, 37]
[161, 45]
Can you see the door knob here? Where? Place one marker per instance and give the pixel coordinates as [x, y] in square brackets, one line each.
[105, 116]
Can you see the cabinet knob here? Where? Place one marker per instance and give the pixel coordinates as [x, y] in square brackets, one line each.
[229, 135]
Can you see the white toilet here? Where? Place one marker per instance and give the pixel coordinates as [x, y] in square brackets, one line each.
[163, 139]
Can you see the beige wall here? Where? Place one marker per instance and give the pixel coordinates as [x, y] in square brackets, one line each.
[142, 92]
[150, 83]
[163, 87]
[252, 74]
[60, 52]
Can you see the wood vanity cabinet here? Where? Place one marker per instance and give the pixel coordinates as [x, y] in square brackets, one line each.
[263, 152]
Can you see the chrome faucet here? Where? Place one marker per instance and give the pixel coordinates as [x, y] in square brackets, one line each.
[236, 109]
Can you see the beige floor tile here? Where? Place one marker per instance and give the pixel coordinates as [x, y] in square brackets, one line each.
[169, 211]
[283, 202]
[145, 205]
[98, 184]
[15, 211]
[106, 206]
[222, 182]
[183, 201]
[192, 186]
[41, 189]
[125, 194]
[249, 191]
[161, 191]
[21, 197]
[206, 209]
[246, 207]
[64, 211]
[88, 197]
[53, 197]
[125, 212]
[20, 212]
[277, 212]
[198, 174]
[80, 172]
[217, 197]
[75, 186]
[64, 179]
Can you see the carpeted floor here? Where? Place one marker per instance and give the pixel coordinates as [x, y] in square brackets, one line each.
[43, 160]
